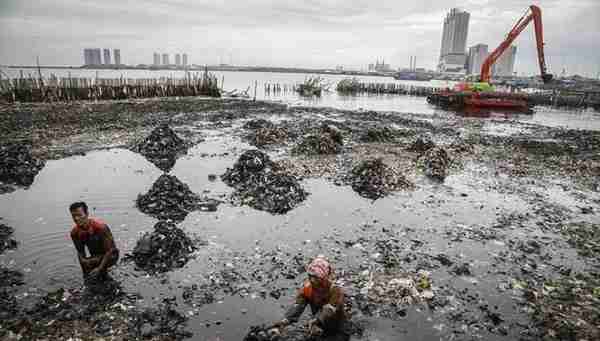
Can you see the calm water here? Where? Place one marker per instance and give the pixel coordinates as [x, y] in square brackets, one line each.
[574, 119]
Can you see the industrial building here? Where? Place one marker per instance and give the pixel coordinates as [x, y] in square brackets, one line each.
[185, 59]
[117, 53]
[156, 59]
[504, 66]
[92, 57]
[477, 55]
[107, 57]
[178, 59]
[453, 56]
[165, 59]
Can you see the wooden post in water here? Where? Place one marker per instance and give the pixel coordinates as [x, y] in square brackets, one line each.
[255, 85]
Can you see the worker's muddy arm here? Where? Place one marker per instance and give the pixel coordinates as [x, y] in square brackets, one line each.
[329, 311]
[295, 311]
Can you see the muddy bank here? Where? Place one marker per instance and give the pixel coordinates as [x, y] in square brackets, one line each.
[503, 248]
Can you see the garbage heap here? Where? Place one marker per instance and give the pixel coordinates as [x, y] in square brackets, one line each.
[378, 134]
[421, 145]
[6, 243]
[258, 123]
[170, 199]
[373, 179]
[262, 184]
[390, 295]
[269, 135]
[327, 140]
[17, 165]
[436, 162]
[165, 248]
[162, 147]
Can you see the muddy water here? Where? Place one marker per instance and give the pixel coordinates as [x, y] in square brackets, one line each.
[110, 180]
[573, 119]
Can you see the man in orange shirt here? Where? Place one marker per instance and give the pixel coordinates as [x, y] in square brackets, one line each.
[94, 234]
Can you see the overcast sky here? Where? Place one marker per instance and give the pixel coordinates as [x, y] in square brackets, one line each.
[322, 33]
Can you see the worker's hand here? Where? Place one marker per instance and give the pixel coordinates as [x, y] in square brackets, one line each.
[314, 329]
[282, 323]
[95, 272]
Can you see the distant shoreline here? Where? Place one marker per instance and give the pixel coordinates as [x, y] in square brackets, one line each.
[210, 68]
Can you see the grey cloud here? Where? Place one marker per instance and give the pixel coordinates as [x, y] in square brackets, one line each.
[310, 33]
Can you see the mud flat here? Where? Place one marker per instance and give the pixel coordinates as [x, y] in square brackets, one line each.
[478, 228]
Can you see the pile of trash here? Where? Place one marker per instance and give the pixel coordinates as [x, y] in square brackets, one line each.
[327, 140]
[262, 184]
[17, 165]
[373, 179]
[6, 243]
[391, 294]
[268, 135]
[164, 323]
[264, 332]
[165, 248]
[9, 278]
[421, 145]
[82, 315]
[171, 199]
[378, 134]
[583, 236]
[567, 308]
[162, 147]
[258, 124]
[436, 162]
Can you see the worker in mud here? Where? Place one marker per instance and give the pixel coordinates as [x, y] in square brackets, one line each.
[326, 301]
[94, 234]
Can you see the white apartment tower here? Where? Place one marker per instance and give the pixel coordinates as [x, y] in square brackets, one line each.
[505, 65]
[454, 41]
[477, 55]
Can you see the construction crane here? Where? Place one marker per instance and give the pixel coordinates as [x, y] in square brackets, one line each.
[534, 13]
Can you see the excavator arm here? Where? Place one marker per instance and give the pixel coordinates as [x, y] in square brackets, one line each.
[535, 15]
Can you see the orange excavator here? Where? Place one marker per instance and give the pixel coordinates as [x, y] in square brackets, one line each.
[482, 95]
[535, 14]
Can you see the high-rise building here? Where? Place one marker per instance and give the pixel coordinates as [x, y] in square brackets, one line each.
[117, 53]
[454, 41]
[92, 56]
[107, 56]
[505, 64]
[178, 59]
[477, 55]
[156, 59]
[185, 60]
[165, 59]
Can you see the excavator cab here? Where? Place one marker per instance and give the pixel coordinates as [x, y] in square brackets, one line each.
[547, 78]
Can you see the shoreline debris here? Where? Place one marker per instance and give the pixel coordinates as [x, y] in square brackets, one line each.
[327, 140]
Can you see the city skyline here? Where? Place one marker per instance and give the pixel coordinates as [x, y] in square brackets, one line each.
[292, 34]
